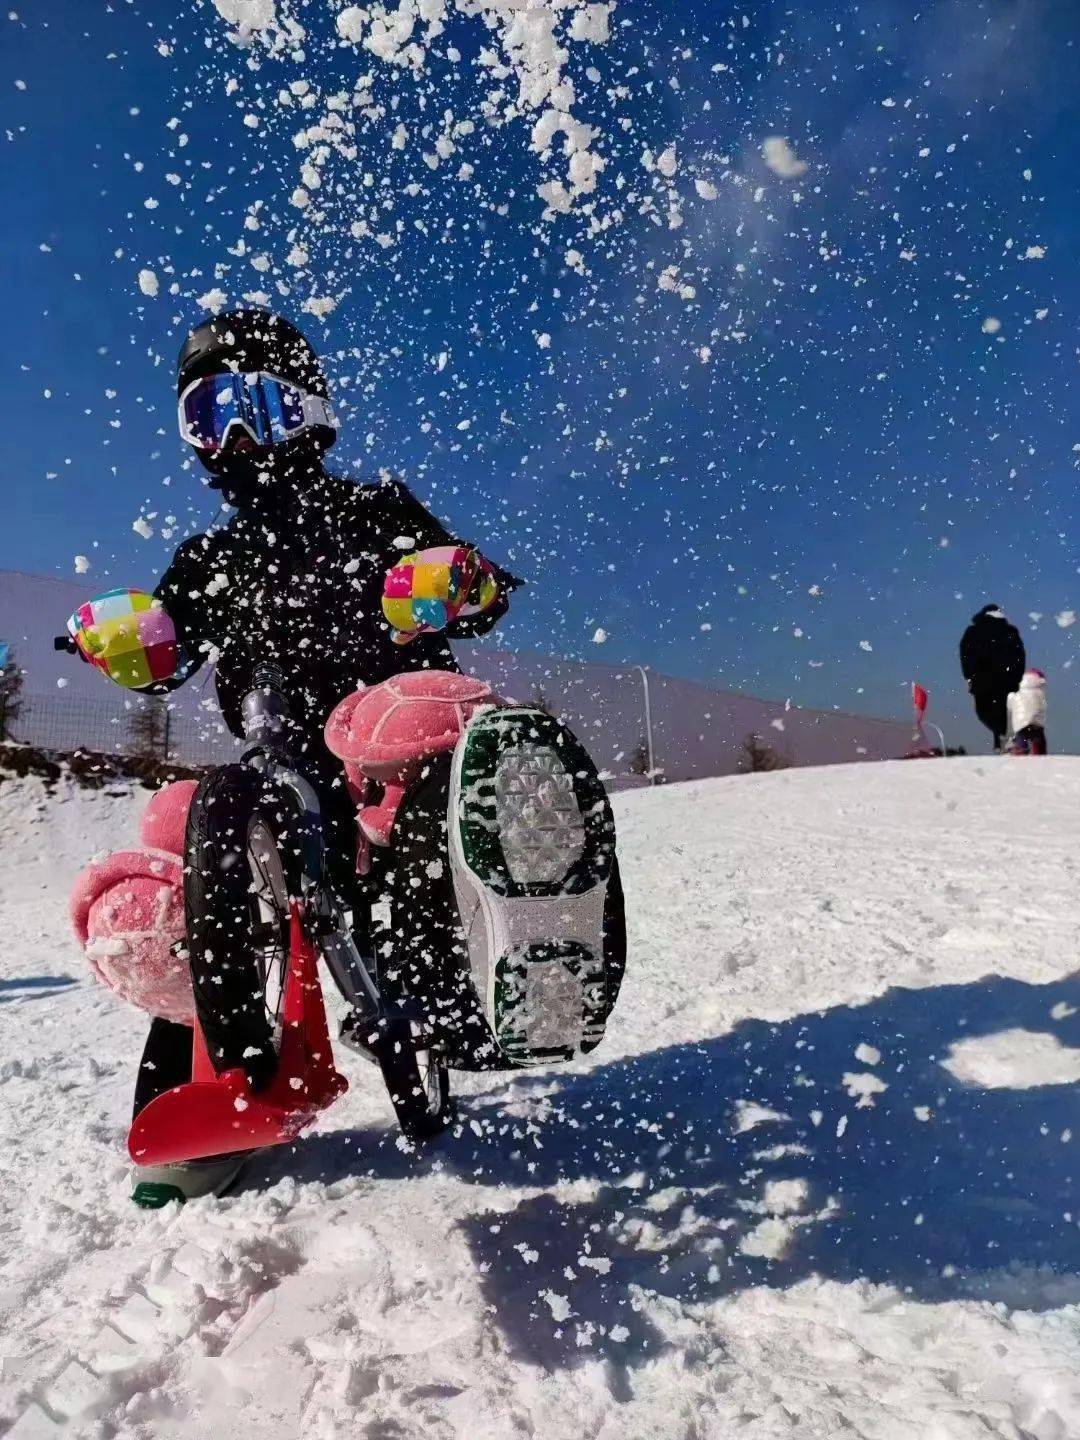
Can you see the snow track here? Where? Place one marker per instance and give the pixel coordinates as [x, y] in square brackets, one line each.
[820, 1179]
[198, 1293]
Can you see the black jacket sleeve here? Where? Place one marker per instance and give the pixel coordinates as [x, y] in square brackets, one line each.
[182, 592]
[968, 656]
[419, 524]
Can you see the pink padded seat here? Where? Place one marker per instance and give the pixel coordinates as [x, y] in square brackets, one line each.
[165, 818]
[385, 733]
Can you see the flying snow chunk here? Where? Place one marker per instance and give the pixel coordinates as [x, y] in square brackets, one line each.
[785, 1197]
[781, 158]
[749, 1114]
[1066, 618]
[991, 325]
[862, 1088]
[148, 283]
[214, 300]
[599, 635]
[706, 189]
[557, 1304]
[590, 23]
[82, 564]
[1013, 1060]
[246, 15]
[868, 1054]
[668, 162]
[544, 341]
[142, 527]
[319, 305]
[350, 24]
[1035, 252]
[770, 1240]
[865, 645]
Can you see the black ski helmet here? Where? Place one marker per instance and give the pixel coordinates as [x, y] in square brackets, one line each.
[250, 340]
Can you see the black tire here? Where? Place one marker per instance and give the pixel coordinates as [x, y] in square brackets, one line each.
[241, 868]
[416, 1076]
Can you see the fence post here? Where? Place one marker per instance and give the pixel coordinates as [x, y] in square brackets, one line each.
[168, 726]
[648, 723]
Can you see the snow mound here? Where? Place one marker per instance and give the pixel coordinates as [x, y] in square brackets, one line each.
[720, 1224]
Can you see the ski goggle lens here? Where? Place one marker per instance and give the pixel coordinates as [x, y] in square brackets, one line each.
[268, 409]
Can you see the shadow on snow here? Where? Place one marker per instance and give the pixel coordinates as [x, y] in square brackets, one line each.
[701, 1169]
[34, 987]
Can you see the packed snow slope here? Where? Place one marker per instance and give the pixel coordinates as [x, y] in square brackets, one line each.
[819, 1181]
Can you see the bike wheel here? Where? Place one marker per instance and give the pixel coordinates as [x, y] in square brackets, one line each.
[416, 1076]
[240, 874]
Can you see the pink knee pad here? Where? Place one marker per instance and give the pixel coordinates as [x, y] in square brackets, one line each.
[386, 732]
[165, 817]
[128, 913]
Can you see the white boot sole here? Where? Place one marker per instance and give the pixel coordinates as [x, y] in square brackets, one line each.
[531, 848]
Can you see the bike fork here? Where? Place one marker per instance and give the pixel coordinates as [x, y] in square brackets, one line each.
[352, 973]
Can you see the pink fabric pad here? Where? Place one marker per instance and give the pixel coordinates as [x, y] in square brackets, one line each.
[128, 911]
[165, 818]
[385, 731]
[377, 821]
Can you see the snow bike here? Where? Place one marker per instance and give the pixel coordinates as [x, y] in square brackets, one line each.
[258, 899]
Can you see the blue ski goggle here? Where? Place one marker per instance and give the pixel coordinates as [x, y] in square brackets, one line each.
[267, 409]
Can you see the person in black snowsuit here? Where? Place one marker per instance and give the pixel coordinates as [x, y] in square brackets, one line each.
[992, 659]
[295, 577]
[302, 577]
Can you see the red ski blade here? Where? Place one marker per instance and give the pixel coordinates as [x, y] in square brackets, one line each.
[216, 1114]
[211, 1117]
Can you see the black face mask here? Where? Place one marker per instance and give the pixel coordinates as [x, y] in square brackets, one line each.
[257, 479]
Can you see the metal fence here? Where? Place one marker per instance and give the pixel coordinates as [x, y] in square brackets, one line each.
[640, 727]
[637, 724]
[115, 728]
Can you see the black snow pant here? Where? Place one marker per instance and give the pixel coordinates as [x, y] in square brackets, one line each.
[166, 1059]
[992, 710]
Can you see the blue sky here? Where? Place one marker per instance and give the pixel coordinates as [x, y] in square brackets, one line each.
[859, 459]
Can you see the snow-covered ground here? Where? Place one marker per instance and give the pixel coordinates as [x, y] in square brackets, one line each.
[819, 1181]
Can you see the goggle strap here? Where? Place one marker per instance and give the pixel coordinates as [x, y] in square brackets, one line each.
[317, 411]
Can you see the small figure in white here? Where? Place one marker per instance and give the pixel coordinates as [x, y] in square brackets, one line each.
[1027, 715]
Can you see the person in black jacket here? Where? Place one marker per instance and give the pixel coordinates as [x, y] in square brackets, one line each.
[296, 577]
[992, 659]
